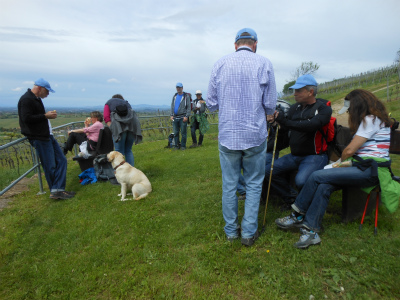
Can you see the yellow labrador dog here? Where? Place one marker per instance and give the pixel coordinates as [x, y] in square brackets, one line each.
[129, 177]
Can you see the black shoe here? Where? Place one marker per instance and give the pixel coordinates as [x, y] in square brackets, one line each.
[70, 193]
[60, 195]
[250, 241]
[63, 147]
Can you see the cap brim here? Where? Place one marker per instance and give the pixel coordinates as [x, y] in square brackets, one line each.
[51, 90]
[297, 86]
[343, 110]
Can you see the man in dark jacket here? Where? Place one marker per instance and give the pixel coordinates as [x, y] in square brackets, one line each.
[180, 113]
[304, 120]
[35, 125]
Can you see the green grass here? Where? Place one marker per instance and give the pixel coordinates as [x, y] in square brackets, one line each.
[171, 245]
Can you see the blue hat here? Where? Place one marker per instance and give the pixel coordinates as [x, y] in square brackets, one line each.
[304, 80]
[179, 84]
[253, 34]
[43, 83]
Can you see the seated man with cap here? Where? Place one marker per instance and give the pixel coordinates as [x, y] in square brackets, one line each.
[198, 120]
[304, 120]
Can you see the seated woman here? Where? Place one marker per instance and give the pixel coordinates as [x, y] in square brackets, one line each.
[89, 133]
[370, 122]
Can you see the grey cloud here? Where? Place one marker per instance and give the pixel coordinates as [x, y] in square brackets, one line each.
[32, 35]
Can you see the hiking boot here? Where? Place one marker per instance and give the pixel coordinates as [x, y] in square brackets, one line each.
[250, 241]
[291, 221]
[242, 197]
[61, 195]
[307, 238]
[194, 145]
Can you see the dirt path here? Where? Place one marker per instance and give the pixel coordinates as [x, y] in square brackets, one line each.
[20, 187]
[343, 118]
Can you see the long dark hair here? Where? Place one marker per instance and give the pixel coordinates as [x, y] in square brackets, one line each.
[363, 103]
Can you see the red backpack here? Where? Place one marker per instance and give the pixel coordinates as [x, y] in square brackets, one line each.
[325, 137]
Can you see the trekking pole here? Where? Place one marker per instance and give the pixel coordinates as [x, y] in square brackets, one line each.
[270, 177]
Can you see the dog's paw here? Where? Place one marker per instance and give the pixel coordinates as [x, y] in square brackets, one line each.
[129, 194]
[119, 195]
[126, 199]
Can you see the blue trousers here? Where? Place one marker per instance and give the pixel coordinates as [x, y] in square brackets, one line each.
[253, 162]
[314, 196]
[181, 126]
[304, 165]
[53, 162]
[124, 146]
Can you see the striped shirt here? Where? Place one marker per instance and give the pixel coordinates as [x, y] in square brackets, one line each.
[242, 87]
[378, 137]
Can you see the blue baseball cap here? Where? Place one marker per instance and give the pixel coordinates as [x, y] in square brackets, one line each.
[179, 84]
[252, 36]
[304, 80]
[43, 83]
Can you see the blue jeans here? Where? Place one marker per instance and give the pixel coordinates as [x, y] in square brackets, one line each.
[253, 161]
[314, 197]
[53, 162]
[304, 165]
[178, 124]
[241, 187]
[124, 146]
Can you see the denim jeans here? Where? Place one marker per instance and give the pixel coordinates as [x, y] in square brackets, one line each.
[241, 187]
[304, 165]
[53, 162]
[179, 125]
[314, 197]
[124, 146]
[253, 161]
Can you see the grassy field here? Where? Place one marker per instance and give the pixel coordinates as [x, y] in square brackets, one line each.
[171, 245]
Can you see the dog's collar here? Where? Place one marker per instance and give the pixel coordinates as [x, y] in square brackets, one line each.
[119, 165]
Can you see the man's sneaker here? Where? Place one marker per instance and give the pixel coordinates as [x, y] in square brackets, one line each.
[290, 221]
[194, 145]
[250, 241]
[175, 148]
[307, 238]
[242, 197]
[62, 195]
[183, 148]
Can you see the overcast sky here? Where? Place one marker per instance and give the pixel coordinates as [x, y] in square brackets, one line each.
[90, 50]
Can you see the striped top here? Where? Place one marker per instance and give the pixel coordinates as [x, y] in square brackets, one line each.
[242, 87]
[378, 137]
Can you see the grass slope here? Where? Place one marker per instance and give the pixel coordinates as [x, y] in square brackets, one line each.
[171, 245]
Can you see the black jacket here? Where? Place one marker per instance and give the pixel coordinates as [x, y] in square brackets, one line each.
[304, 123]
[34, 125]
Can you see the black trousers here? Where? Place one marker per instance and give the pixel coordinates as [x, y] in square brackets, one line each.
[196, 125]
[75, 138]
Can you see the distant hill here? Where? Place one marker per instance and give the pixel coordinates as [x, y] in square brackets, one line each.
[138, 108]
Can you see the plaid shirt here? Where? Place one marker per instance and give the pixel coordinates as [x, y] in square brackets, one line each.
[242, 87]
